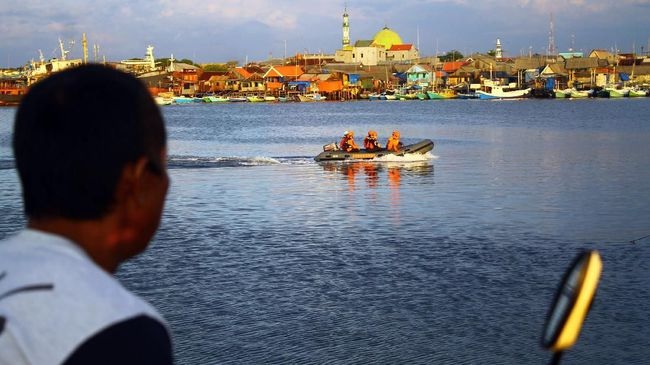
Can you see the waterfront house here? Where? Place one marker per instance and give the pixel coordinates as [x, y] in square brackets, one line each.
[582, 71]
[447, 76]
[213, 81]
[602, 54]
[251, 80]
[529, 70]
[557, 73]
[276, 77]
[185, 78]
[13, 85]
[420, 75]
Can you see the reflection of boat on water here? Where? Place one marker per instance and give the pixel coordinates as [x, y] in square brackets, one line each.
[375, 172]
[421, 147]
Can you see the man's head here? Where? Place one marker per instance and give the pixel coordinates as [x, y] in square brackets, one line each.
[77, 134]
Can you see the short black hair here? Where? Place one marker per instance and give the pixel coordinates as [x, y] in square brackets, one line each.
[73, 134]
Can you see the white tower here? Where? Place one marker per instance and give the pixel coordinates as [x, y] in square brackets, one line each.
[498, 51]
[346, 28]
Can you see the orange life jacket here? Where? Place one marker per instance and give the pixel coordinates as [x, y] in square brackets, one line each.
[370, 143]
[393, 144]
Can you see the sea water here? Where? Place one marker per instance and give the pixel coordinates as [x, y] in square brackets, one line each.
[265, 256]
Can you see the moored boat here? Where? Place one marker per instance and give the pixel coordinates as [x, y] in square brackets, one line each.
[442, 94]
[255, 98]
[502, 92]
[421, 147]
[183, 100]
[161, 100]
[637, 93]
[215, 99]
[311, 97]
[562, 94]
[580, 94]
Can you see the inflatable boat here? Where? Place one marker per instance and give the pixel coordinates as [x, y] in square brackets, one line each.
[331, 153]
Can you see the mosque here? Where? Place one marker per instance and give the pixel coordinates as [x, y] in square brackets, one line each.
[385, 46]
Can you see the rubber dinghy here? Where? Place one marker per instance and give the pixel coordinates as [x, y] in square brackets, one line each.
[329, 154]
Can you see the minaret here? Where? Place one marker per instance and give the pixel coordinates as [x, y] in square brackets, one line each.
[346, 28]
[498, 52]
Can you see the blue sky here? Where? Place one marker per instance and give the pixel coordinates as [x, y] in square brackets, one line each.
[223, 30]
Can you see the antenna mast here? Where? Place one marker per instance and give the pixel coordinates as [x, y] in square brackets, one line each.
[551, 38]
[84, 43]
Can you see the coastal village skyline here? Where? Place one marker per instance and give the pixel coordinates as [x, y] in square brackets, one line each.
[283, 30]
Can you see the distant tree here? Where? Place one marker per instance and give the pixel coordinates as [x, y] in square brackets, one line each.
[212, 67]
[164, 62]
[452, 55]
[491, 53]
[232, 64]
[185, 60]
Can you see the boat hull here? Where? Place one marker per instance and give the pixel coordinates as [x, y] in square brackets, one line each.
[503, 95]
[421, 147]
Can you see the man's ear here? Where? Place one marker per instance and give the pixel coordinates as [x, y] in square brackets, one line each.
[130, 184]
[127, 204]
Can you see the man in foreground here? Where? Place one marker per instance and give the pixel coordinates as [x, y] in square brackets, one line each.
[90, 151]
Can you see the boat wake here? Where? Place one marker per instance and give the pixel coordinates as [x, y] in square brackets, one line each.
[411, 157]
[200, 162]
[195, 162]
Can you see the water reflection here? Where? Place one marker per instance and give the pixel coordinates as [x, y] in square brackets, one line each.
[373, 172]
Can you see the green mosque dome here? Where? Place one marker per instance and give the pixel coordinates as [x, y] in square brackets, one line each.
[387, 38]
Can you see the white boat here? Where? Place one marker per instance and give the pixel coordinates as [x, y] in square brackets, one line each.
[255, 98]
[502, 92]
[215, 99]
[161, 100]
[269, 98]
[580, 94]
[311, 97]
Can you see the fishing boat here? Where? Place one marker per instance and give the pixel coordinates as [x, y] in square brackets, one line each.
[237, 99]
[270, 98]
[332, 153]
[442, 94]
[634, 93]
[580, 94]
[311, 97]
[616, 93]
[183, 100]
[255, 98]
[161, 100]
[215, 99]
[562, 94]
[374, 96]
[502, 92]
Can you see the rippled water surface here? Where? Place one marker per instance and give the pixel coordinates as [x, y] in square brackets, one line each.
[265, 256]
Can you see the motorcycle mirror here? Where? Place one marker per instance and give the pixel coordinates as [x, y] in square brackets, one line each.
[572, 302]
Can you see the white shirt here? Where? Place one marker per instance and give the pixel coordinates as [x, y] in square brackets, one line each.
[45, 326]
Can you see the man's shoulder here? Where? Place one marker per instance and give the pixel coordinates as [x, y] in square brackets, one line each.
[77, 298]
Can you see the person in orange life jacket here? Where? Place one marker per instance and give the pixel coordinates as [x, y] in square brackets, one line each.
[347, 142]
[370, 143]
[393, 143]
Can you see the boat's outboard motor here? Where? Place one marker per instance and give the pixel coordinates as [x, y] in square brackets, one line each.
[330, 147]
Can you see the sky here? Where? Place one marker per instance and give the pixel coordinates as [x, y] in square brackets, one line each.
[240, 30]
